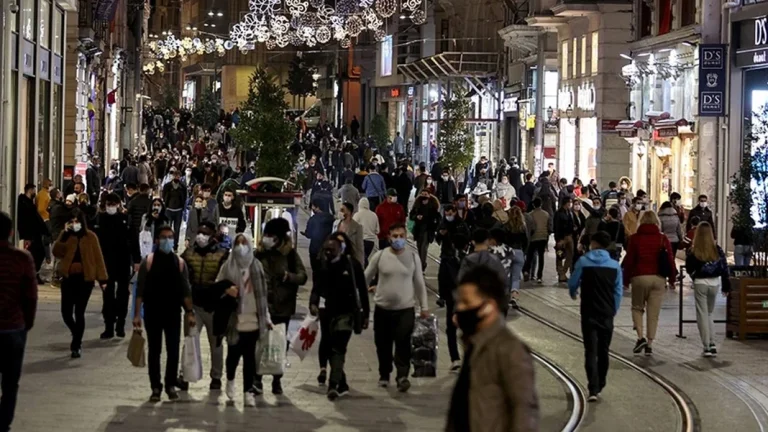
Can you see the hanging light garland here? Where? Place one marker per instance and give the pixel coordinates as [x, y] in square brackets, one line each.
[386, 8]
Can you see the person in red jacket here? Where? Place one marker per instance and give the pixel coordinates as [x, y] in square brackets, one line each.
[642, 269]
[389, 212]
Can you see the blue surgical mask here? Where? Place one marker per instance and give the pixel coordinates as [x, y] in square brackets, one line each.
[398, 244]
[166, 245]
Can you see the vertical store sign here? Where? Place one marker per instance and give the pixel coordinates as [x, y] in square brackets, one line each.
[712, 79]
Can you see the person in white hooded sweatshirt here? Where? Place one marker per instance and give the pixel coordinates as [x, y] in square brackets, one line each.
[370, 223]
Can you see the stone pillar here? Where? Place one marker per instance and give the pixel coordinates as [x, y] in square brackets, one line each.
[709, 127]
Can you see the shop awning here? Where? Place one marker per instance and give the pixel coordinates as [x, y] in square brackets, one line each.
[629, 128]
[668, 128]
[476, 68]
[199, 69]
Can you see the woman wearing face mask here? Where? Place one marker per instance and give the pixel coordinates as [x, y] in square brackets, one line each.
[249, 319]
[198, 213]
[285, 273]
[341, 286]
[429, 185]
[154, 219]
[81, 264]
[592, 189]
[504, 191]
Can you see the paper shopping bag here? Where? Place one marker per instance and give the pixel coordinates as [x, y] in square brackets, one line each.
[305, 338]
[192, 361]
[136, 353]
[271, 352]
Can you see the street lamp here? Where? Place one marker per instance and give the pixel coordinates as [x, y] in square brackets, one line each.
[550, 112]
[210, 13]
[219, 14]
[315, 76]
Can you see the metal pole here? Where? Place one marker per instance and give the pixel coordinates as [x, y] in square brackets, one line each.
[538, 157]
[6, 119]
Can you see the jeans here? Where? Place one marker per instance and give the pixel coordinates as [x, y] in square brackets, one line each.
[597, 333]
[12, 346]
[324, 350]
[367, 249]
[705, 292]
[422, 244]
[535, 250]
[75, 293]
[517, 269]
[205, 319]
[174, 219]
[339, 337]
[393, 327]
[245, 348]
[159, 323]
[115, 306]
[742, 255]
[374, 202]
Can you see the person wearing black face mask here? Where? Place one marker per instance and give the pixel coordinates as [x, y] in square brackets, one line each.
[175, 197]
[341, 283]
[496, 384]
[426, 217]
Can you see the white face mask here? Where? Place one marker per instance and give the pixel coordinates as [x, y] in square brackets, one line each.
[505, 181]
[111, 210]
[596, 206]
[156, 209]
[576, 208]
[198, 205]
[704, 204]
[268, 242]
[227, 200]
[76, 227]
[393, 200]
[445, 178]
[638, 207]
[429, 181]
[242, 250]
[202, 240]
[206, 194]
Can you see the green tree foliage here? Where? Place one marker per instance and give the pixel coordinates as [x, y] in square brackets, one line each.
[170, 98]
[263, 127]
[379, 130]
[206, 113]
[454, 139]
[300, 82]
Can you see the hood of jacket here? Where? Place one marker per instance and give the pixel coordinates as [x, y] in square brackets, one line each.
[364, 204]
[598, 257]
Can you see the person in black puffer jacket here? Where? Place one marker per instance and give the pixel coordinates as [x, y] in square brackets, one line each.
[138, 207]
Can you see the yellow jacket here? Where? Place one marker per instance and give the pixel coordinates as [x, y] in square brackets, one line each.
[630, 221]
[43, 199]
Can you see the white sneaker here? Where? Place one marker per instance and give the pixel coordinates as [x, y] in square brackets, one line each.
[249, 399]
[230, 390]
[456, 366]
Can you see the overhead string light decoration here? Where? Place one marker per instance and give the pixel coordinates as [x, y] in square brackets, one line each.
[418, 17]
[386, 8]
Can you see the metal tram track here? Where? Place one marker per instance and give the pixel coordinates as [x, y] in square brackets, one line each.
[690, 420]
[576, 396]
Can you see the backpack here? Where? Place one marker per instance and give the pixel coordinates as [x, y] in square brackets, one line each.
[611, 199]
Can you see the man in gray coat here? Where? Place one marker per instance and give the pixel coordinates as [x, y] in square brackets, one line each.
[348, 193]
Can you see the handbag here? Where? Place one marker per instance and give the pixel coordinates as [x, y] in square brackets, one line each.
[357, 318]
[136, 354]
[663, 261]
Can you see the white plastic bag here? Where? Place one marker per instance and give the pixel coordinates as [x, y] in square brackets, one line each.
[305, 338]
[192, 361]
[272, 352]
[145, 242]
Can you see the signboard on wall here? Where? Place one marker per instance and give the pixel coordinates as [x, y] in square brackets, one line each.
[607, 125]
[712, 80]
[752, 42]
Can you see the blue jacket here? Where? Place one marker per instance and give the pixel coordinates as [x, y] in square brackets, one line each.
[374, 186]
[600, 279]
[319, 227]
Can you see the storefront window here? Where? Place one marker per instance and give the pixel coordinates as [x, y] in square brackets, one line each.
[595, 48]
[44, 153]
[647, 89]
[587, 149]
[45, 23]
[56, 31]
[566, 154]
[28, 22]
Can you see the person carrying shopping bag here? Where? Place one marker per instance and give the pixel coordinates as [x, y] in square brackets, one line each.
[249, 321]
[648, 263]
[708, 268]
[81, 264]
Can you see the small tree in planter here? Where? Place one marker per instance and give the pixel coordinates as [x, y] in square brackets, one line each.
[263, 127]
[749, 187]
[206, 112]
[379, 130]
[454, 139]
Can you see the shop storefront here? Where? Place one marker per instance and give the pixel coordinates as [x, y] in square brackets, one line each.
[663, 90]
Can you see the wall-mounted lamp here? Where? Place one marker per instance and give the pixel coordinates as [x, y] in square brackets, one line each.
[640, 150]
[569, 116]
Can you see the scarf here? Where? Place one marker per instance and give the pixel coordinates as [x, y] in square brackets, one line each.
[248, 274]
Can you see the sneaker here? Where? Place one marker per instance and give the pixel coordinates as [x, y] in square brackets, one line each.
[215, 384]
[648, 351]
[342, 389]
[592, 398]
[277, 387]
[526, 276]
[639, 345]
[258, 387]
[107, 334]
[156, 393]
[513, 303]
[403, 384]
[706, 353]
[713, 350]
[173, 395]
[322, 376]
[539, 281]
[455, 366]
[249, 399]
[333, 393]
[76, 354]
[383, 381]
[230, 390]
[440, 303]
[182, 385]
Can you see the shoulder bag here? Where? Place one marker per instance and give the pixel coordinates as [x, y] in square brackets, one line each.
[664, 269]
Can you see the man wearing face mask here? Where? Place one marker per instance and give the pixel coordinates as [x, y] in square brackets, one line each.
[93, 178]
[389, 213]
[375, 187]
[175, 197]
[631, 218]
[400, 287]
[463, 211]
[204, 260]
[496, 384]
[120, 254]
[445, 190]
[162, 289]
[338, 279]
[703, 212]
[676, 201]
[426, 217]
[229, 213]
[208, 199]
